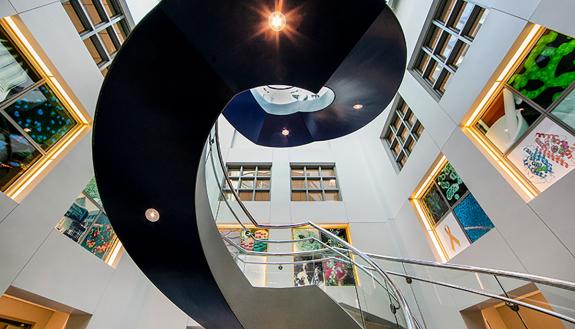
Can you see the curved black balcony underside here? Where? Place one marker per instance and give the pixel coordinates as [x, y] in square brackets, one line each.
[174, 75]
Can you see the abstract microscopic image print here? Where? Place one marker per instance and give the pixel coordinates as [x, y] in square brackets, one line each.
[42, 116]
[548, 70]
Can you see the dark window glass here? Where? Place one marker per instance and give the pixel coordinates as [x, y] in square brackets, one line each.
[402, 132]
[16, 154]
[447, 39]
[15, 73]
[435, 203]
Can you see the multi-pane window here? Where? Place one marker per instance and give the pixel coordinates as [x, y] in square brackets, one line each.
[448, 36]
[401, 132]
[251, 182]
[102, 26]
[32, 117]
[453, 214]
[314, 182]
[87, 224]
[530, 120]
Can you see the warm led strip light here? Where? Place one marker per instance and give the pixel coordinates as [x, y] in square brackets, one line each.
[528, 190]
[16, 190]
[112, 259]
[416, 200]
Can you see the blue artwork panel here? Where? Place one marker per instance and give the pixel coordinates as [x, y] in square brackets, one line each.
[42, 116]
[473, 219]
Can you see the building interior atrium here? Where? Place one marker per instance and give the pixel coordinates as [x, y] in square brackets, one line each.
[335, 164]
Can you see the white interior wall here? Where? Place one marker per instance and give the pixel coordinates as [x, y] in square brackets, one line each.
[34, 256]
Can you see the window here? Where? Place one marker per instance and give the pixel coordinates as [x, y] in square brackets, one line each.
[401, 132]
[251, 182]
[316, 269]
[453, 216]
[314, 183]
[448, 36]
[87, 224]
[528, 123]
[33, 117]
[102, 26]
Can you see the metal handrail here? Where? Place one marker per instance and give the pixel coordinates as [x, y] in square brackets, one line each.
[409, 318]
[468, 268]
[373, 266]
[407, 276]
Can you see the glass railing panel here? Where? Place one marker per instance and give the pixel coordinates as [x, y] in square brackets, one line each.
[547, 297]
[378, 298]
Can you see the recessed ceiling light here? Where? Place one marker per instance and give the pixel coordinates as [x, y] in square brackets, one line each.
[277, 21]
[152, 215]
[285, 132]
[358, 106]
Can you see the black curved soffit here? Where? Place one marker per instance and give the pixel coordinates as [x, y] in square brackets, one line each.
[165, 89]
[370, 75]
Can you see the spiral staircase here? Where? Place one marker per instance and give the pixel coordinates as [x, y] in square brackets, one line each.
[156, 146]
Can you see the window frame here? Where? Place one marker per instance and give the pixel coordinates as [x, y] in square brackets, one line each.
[414, 135]
[107, 25]
[522, 47]
[320, 177]
[430, 225]
[30, 176]
[437, 88]
[254, 190]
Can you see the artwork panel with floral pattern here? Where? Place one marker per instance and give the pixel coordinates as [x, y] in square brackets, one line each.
[101, 238]
[337, 273]
[548, 70]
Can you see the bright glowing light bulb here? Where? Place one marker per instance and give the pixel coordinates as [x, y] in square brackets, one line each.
[285, 132]
[357, 107]
[277, 21]
[152, 215]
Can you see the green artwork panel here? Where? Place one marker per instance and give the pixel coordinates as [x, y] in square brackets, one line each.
[42, 116]
[91, 190]
[435, 204]
[306, 234]
[548, 69]
[450, 184]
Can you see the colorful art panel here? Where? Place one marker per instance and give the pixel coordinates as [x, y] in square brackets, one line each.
[548, 70]
[545, 155]
[472, 218]
[452, 237]
[305, 234]
[308, 272]
[450, 184]
[101, 238]
[252, 240]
